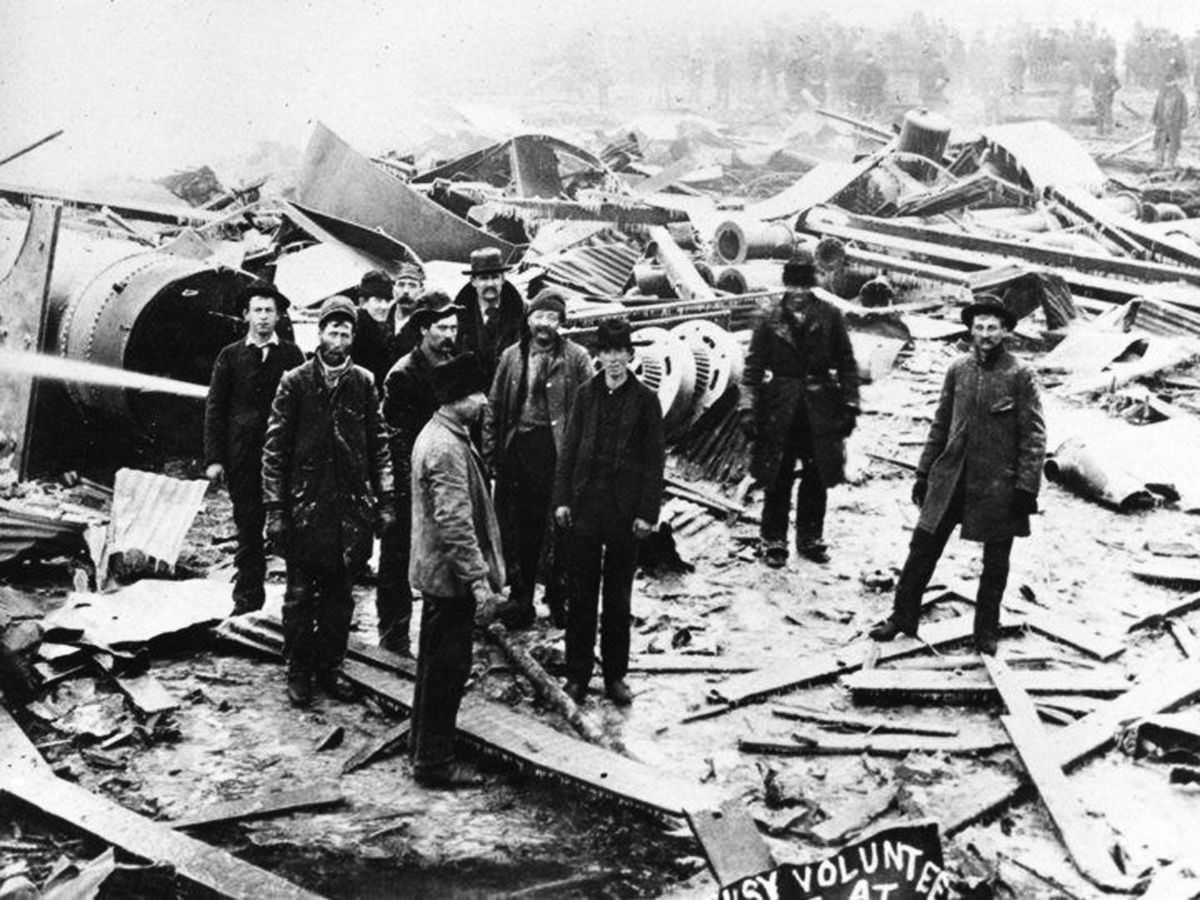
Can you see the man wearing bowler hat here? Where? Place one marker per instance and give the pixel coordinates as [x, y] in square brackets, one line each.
[327, 486]
[369, 348]
[981, 467]
[456, 564]
[408, 403]
[608, 485]
[244, 378]
[492, 313]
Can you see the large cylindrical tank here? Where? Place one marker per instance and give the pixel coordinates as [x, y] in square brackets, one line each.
[737, 240]
[924, 133]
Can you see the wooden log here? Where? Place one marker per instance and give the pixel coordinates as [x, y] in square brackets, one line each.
[375, 749]
[1125, 148]
[314, 797]
[910, 685]
[732, 845]
[871, 724]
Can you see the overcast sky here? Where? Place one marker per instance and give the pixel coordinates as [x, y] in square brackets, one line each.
[146, 86]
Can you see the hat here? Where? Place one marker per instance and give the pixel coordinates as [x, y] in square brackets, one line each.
[486, 261]
[614, 334]
[376, 283]
[830, 251]
[989, 305]
[552, 299]
[411, 270]
[431, 306]
[261, 289]
[458, 377]
[799, 271]
[337, 307]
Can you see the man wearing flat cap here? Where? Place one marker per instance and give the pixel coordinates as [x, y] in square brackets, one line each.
[456, 564]
[245, 376]
[408, 403]
[492, 313]
[523, 430]
[327, 485]
[608, 487]
[799, 403]
[981, 467]
[403, 334]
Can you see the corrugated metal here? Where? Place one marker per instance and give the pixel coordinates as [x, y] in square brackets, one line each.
[600, 266]
[1047, 155]
[151, 514]
[1158, 317]
[21, 528]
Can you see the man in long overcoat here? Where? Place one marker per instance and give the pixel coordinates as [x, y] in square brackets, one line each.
[492, 313]
[1169, 118]
[245, 376]
[523, 432]
[982, 466]
[799, 402]
[327, 483]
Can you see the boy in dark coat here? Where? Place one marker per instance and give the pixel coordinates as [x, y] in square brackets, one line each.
[982, 466]
[607, 492]
[244, 380]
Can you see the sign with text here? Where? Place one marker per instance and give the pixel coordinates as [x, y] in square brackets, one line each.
[902, 863]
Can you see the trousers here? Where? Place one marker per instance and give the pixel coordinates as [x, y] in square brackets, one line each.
[443, 667]
[530, 465]
[317, 609]
[250, 558]
[607, 555]
[393, 594]
[811, 493]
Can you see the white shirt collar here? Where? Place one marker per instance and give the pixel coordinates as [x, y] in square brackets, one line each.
[251, 342]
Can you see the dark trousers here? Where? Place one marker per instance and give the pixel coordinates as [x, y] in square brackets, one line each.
[250, 559]
[531, 458]
[317, 609]
[811, 494]
[393, 595]
[925, 550]
[607, 555]
[443, 667]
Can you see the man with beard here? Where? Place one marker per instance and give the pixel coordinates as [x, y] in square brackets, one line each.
[456, 565]
[244, 380]
[523, 431]
[608, 487]
[408, 403]
[492, 311]
[403, 334]
[981, 467]
[327, 477]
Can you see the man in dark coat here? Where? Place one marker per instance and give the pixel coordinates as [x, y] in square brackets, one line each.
[456, 565]
[492, 312]
[1169, 118]
[372, 330]
[1104, 88]
[244, 380]
[327, 484]
[608, 487]
[799, 403]
[982, 466]
[408, 403]
[523, 430]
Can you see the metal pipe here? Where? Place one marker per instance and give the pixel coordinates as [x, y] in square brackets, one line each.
[740, 239]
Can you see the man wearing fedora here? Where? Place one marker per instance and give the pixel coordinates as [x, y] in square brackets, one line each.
[408, 403]
[523, 429]
[799, 403]
[327, 484]
[608, 485]
[981, 467]
[456, 564]
[244, 378]
[492, 312]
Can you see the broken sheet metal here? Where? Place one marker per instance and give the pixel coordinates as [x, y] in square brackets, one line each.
[528, 165]
[151, 514]
[600, 265]
[308, 276]
[28, 530]
[1039, 154]
[384, 251]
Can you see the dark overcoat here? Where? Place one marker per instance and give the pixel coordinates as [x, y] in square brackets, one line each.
[408, 403]
[803, 364]
[510, 328]
[988, 431]
[326, 465]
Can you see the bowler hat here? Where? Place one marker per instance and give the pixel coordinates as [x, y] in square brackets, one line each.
[458, 377]
[486, 261]
[376, 283]
[989, 305]
[261, 289]
[799, 271]
[431, 306]
[614, 334]
[337, 307]
[551, 299]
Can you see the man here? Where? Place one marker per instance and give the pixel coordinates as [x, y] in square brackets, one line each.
[981, 466]
[370, 346]
[1170, 115]
[403, 334]
[244, 380]
[799, 402]
[492, 311]
[608, 487]
[326, 477]
[408, 403]
[870, 87]
[1104, 88]
[523, 432]
[456, 565]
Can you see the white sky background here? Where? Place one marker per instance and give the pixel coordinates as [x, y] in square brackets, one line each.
[143, 87]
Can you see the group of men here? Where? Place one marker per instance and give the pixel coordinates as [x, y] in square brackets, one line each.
[412, 412]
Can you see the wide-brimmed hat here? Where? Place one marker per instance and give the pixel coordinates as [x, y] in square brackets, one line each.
[337, 307]
[459, 376]
[431, 306]
[486, 261]
[261, 289]
[989, 305]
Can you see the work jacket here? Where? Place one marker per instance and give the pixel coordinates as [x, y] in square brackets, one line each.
[800, 366]
[988, 432]
[326, 465]
[1170, 113]
[455, 535]
[408, 403]
[509, 329]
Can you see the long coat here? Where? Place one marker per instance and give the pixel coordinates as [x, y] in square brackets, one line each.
[408, 403]
[455, 536]
[326, 465]
[988, 430]
[509, 330]
[800, 362]
[1170, 115]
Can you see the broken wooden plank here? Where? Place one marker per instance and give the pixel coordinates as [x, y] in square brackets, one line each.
[680, 270]
[1085, 840]
[260, 807]
[907, 685]
[392, 739]
[1174, 608]
[681, 663]
[731, 842]
[872, 724]
[1172, 572]
[146, 693]
[852, 818]
[1128, 233]
[828, 743]
[1185, 638]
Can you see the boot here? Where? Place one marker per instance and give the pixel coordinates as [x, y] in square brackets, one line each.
[299, 688]
[888, 629]
[396, 640]
[448, 777]
[775, 554]
[333, 687]
[618, 692]
[813, 549]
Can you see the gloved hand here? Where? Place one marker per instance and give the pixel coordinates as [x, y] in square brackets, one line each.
[849, 420]
[486, 604]
[562, 516]
[1024, 503]
[215, 473]
[748, 423]
[920, 489]
[278, 531]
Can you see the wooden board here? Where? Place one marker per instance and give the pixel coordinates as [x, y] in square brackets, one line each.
[872, 724]
[314, 797]
[732, 845]
[146, 693]
[372, 750]
[1174, 608]
[828, 743]
[905, 685]
[852, 818]
[1173, 572]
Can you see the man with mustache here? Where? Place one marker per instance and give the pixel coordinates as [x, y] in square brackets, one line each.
[408, 403]
[492, 312]
[523, 431]
[327, 484]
